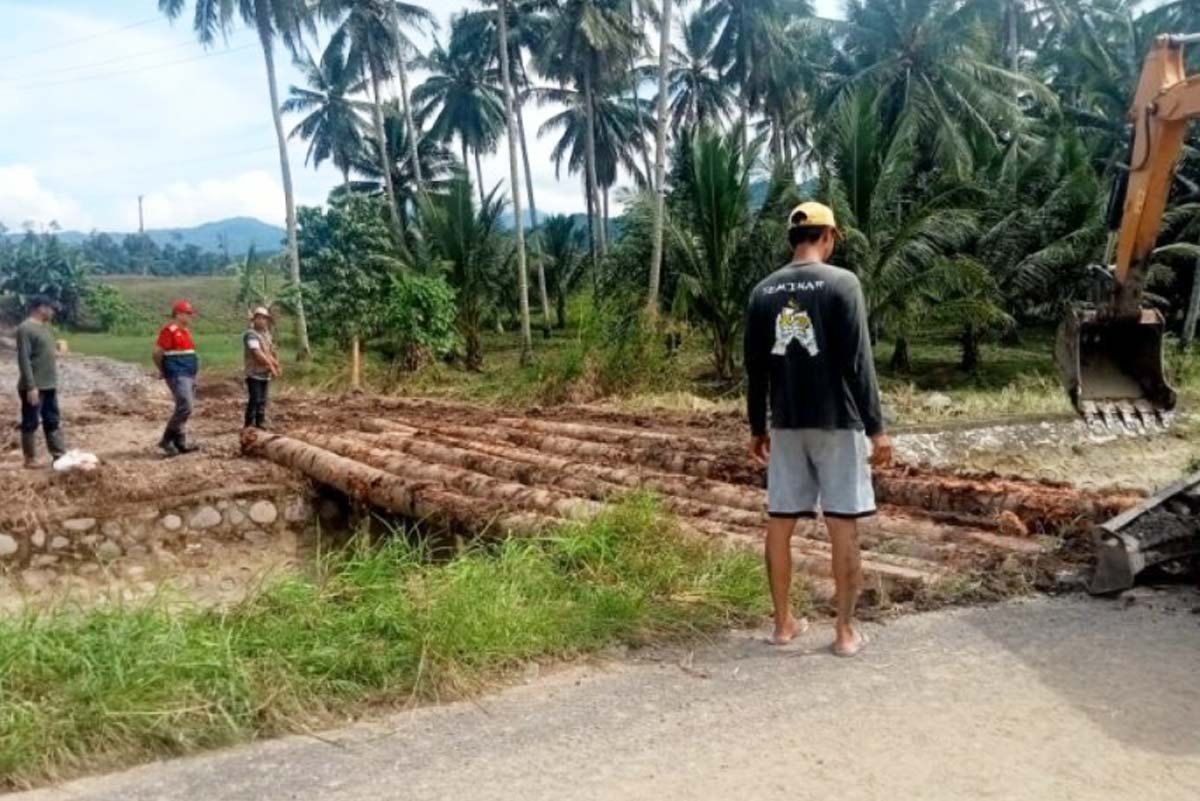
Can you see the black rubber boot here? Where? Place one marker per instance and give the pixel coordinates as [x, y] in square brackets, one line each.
[167, 445]
[183, 446]
[56, 443]
[29, 447]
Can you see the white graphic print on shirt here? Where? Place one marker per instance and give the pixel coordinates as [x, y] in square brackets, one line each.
[793, 323]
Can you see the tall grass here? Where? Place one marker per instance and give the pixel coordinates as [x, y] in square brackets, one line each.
[85, 691]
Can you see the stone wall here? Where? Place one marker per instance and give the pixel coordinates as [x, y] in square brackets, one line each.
[135, 539]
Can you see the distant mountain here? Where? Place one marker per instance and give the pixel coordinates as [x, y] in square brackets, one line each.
[233, 236]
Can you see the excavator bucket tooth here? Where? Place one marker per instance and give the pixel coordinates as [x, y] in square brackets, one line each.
[1114, 365]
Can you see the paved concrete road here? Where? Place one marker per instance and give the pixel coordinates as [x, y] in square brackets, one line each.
[1040, 700]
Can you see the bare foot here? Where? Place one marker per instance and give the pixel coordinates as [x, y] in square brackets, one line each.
[786, 631]
[849, 643]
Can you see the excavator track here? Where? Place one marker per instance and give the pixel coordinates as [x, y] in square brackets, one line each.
[1160, 531]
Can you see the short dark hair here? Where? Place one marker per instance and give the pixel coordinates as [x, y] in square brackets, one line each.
[38, 301]
[805, 234]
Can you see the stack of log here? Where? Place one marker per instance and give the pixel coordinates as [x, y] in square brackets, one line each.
[456, 467]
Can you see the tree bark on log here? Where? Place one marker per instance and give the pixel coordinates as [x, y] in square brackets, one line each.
[370, 485]
[508, 494]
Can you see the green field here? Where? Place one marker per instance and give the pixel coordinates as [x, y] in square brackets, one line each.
[217, 328]
[1011, 380]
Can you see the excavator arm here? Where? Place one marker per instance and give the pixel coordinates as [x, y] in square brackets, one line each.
[1111, 355]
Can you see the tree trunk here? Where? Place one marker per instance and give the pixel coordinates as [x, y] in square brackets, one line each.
[539, 256]
[745, 106]
[515, 185]
[607, 218]
[970, 349]
[660, 155]
[479, 177]
[1013, 45]
[1193, 310]
[474, 346]
[560, 299]
[355, 363]
[641, 122]
[384, 162]
[590, 147]
[402, 70]
[900, 358]
[289, 199]
[592, 244]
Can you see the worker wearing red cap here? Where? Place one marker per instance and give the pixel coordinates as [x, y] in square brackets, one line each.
[175, 357]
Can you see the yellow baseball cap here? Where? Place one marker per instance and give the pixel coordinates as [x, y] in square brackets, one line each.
[812, 215]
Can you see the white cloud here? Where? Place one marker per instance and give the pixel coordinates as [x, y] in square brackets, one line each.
[23, 199]
[257, 193]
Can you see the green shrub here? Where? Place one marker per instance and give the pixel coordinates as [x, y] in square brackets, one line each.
[617, 351]
[108, 307]
[418, 320]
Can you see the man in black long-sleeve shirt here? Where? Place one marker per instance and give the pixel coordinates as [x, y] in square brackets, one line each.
[808, 353]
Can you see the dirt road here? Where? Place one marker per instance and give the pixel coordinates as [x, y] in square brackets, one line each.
[1040, 700]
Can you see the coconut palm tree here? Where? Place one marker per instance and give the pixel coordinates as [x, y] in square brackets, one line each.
[370, 26]
[436, 162]
[588, 42]
[698, 95]
[751, 33]
[460, 98]
[527, 27]
[271, 20]
[936, 59]
[660, 157]
[514, 182]
[406, 14]
[332, 125]
[615, 137]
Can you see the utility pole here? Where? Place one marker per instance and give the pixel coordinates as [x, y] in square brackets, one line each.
[141, 217]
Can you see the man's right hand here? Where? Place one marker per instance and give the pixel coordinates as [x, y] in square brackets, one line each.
[760, 448]
[881, 450]
[32, 397]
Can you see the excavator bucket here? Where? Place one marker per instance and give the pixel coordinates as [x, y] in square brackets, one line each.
[1113, 368]
[1161, 531]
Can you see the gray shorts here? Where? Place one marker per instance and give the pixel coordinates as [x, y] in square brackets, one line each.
[812, 468]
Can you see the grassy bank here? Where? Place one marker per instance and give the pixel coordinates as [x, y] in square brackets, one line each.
[96, 690]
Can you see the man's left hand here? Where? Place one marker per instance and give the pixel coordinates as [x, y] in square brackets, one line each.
[760, 448]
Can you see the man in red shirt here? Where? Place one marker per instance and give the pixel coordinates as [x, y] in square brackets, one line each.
[175, 357]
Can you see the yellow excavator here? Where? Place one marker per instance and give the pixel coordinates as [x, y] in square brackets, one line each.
[1110, 354]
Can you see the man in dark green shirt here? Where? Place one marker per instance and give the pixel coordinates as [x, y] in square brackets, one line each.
[37, 363]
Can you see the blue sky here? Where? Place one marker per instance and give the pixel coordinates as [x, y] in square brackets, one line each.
[101, 102]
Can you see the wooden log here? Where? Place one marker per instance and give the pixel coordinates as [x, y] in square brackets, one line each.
[509, 494]
[391, 493]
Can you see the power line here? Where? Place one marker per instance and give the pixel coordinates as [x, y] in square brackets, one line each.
[88, 38]
[167, 165]
[134, 70]
[59, 70]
